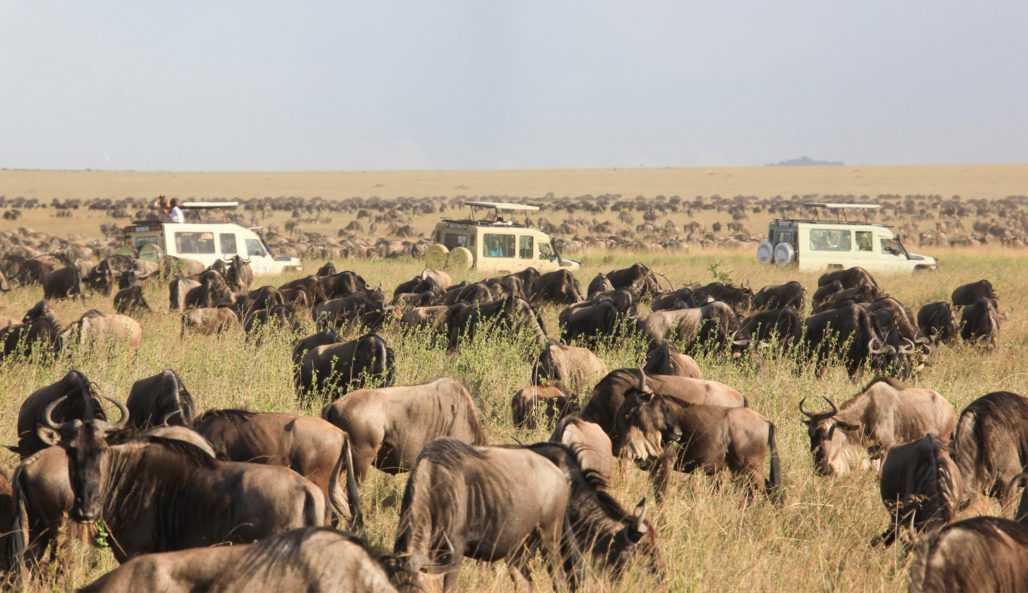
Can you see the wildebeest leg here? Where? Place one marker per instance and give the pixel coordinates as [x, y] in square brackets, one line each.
[519, 573]
[660, 473]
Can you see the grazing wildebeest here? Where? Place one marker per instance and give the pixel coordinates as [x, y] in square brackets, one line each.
[688, 437]
[307, 445]
[366, 307]
[780, 326]
[178, 290]
[509, 314]
[575, 367]
[390, 425]
[431, 319]
[346, 366]
[212, 292]
[239, 275]
[990, 445]
[968, 294]
[664, 359]
[283, 317]
[620, 385]
[207, 321]
[849, 332]
[848, 278]
[589, 322]
[682, 298]
[937, 322]
[342, 284]
[591, 445]
[558, 287]
[508, 503]
[313, 560]
[264, 297]
[920, 487]
[95, 329]
[598, 284]
[304, 345]
[979, 555]
[159, 400]
[740, 299]
[310, 286]
[979, 323]
[130, 301]
[37, 334]
[129, 486]
[476, 292]
[554, 402]
[326, 269]
[637, 278]
[710, 325]
[779, 296]
[79, 397]
[63, 283]
[883, 415]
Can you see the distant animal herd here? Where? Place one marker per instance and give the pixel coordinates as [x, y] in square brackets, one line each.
[168, 479]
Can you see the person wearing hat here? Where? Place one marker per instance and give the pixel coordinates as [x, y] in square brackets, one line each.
[175, 214]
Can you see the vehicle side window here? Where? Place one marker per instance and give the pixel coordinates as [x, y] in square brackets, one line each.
[498, 245]
[830, 239]
[453, 240]
[891, 247]
[545, 251]
[525, 247]
[228, 243]
[196, 243]
[254, 248]
[865, 242]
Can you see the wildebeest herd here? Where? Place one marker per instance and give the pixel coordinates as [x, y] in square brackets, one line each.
[166, 480]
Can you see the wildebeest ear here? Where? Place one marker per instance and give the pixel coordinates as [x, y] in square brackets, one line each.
[640, 510]
[48, 435]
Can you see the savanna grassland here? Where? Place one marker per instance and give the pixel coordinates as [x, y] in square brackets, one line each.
[711, 539]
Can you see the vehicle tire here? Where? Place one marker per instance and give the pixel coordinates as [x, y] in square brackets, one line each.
[435, 256]
[765, 252]
[784, 254]
[460, 259]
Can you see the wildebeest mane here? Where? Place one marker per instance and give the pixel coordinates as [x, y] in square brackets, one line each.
[891, 382]
[228, 414]
[187, 451]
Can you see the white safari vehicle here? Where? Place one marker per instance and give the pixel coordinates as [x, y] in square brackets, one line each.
[816, 245]
[492, 244]
[206, 242]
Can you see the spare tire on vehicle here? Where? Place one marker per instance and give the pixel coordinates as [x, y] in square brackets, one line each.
[435, 256]
[784, 254]
[765, 252]
[460, 259]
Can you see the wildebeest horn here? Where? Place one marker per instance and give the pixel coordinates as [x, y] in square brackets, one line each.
[908, 348]
[48, 416]
[123, 420]
[169, 416]
[835, 410]
[875, 346]
[804, 412]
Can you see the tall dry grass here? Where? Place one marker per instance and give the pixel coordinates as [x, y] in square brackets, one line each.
[712, 540]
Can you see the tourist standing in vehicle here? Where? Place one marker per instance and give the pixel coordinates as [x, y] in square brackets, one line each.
[176, 215]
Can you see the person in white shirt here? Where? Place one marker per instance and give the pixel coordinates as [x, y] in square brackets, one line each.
[175, 214]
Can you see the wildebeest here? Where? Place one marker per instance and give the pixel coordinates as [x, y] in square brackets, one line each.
[208, 321]
[990, 445]
[620, 385]
[63, 283]
[739, 298]
[310, 286]
[507, 503]
[130, 301]
[848, 278]
[79, 399]
[591, 445]
[38, 333]
[239, 275]
[264, 297]
[557, 287]
[849, 332]
[979, 323]
[574, 367]
[100, 279]
[304, 345]
[129, 486]
[682, 298]
[213, 291]
[599, 283]
[688, 437]
[781, 326]
[589, 322]
[779, 296]
[979, 555]
[920, 487]
[346, 366]
[937, 322]
[342, 284]
[665, 359]
[7, 519]
[509, 314]
[313, 560]
[554, 402]
[178, 289]
[429, 319]
[382, 432]
[159, 400]
[366, 307]
[283, 317]
[883, 415]
[637, 278]
[710, 325]
[307, 445]
[968, 294]
[95, 329]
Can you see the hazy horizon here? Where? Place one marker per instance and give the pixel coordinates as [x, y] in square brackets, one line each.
[460, 85]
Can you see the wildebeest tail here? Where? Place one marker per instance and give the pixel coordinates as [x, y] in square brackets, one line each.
[773, 485]
[13, 553]
[965, 447]
[919, 574]
[348, 507]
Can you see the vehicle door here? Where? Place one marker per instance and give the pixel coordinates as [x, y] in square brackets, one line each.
[830, 247]
[866, 253]
[260, 260]
[547, 259]
[499, 251]
[197, 245]
[893, 256]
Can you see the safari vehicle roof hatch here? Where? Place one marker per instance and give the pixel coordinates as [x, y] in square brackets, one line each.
[208, 205]
[840, 208]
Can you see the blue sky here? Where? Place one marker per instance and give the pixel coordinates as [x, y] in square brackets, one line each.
[469, 84]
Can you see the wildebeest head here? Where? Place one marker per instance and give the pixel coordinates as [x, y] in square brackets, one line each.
[641, 423]
[86, 444]
[826, 443]
[637, 538]
[40, 310]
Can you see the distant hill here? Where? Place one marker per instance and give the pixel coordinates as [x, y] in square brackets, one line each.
[806, 161]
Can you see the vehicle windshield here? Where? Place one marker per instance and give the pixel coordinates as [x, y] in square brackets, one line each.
[893, 247]
[545, 251]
